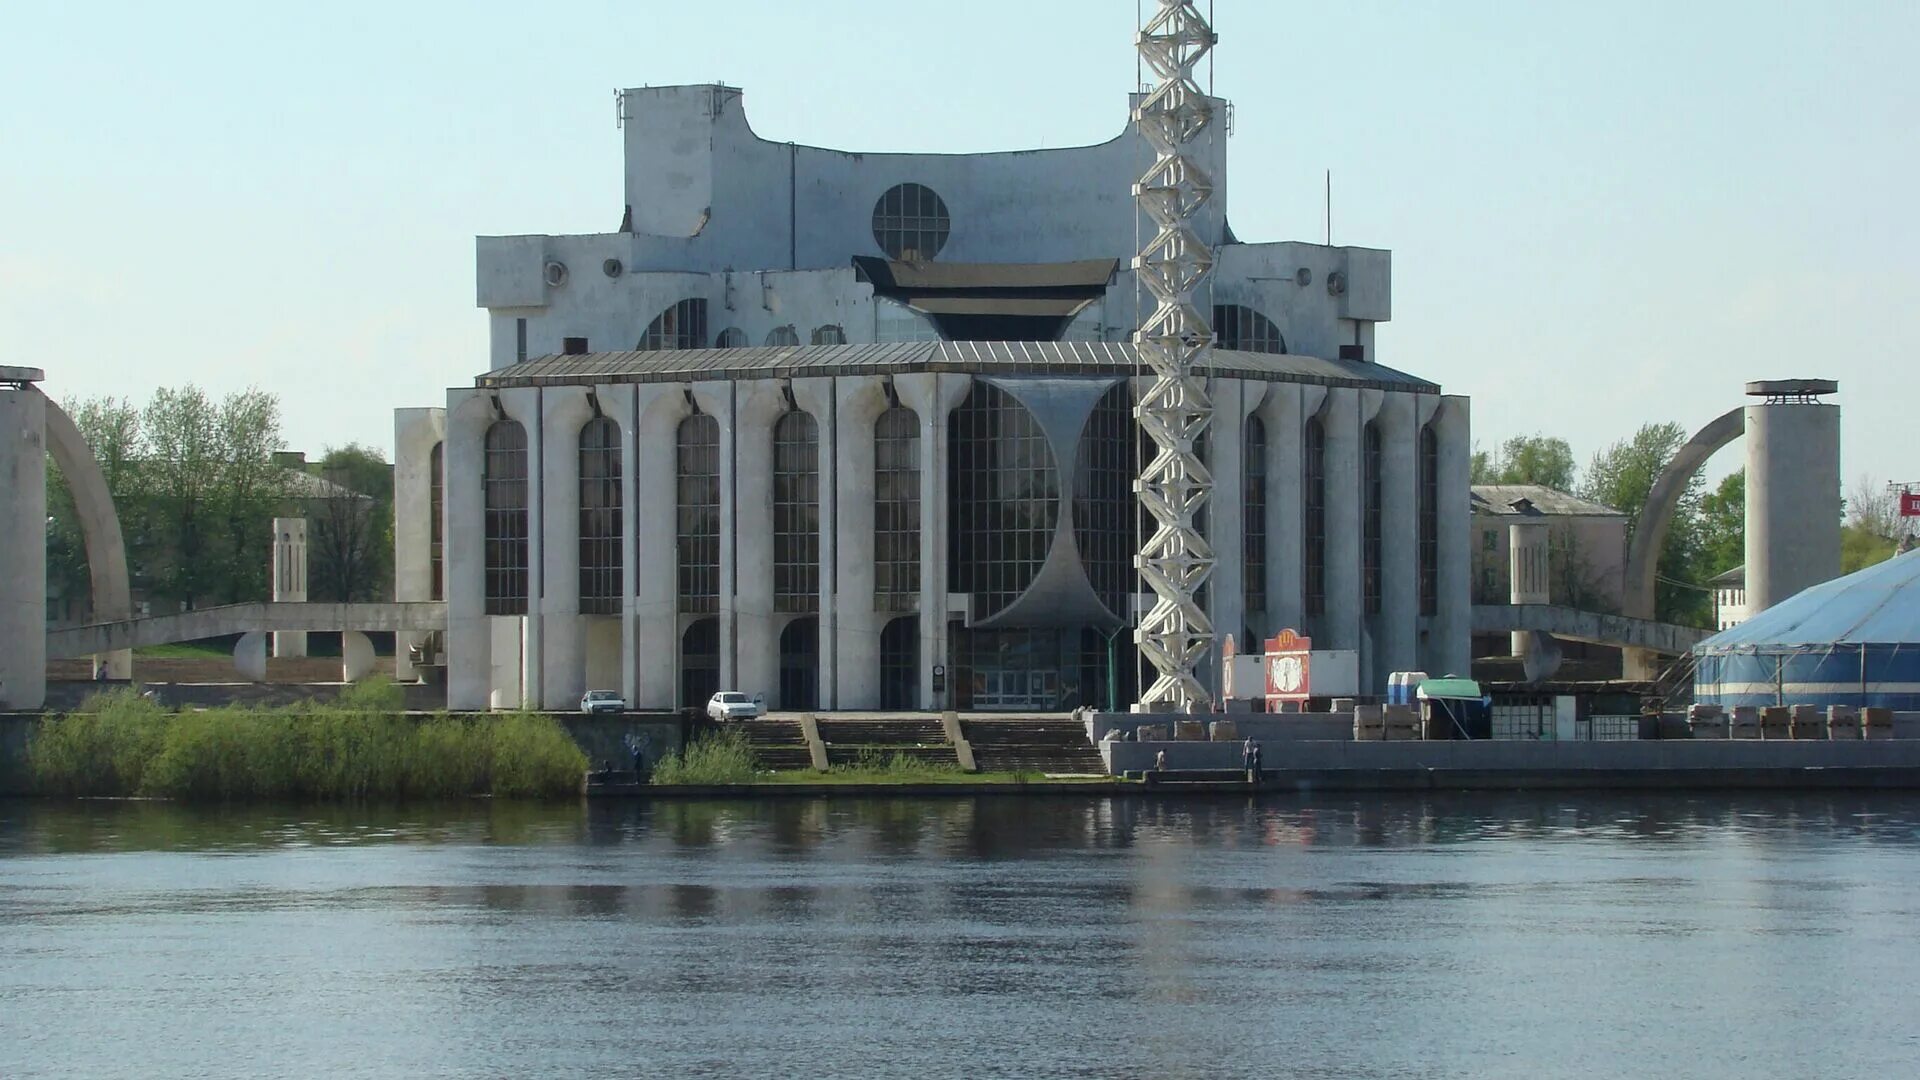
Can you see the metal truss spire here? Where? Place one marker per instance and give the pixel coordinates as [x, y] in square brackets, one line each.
[1175, 560]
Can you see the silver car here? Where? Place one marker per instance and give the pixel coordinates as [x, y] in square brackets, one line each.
[734, 705]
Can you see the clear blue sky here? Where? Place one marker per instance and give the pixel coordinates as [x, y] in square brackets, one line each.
[1600, 214]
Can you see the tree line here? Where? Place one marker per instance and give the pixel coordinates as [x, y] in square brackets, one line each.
[196, 485]
[1707, 536]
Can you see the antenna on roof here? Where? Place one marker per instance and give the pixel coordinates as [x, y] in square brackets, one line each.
[1329, 207]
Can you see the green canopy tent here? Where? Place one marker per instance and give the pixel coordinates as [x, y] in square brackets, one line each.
[1462, 709]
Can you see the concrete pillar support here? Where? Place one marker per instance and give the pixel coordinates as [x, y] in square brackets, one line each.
[1396, 633]
[1341, 624]
[1284, 411]
[859, 401]
[933, 396]
[817, 397]
[23, 542]
[469, 635]
[289, 577]
[415, 434]
[1793, 499]
[1450, 633]
[651, 636]
[564, 410]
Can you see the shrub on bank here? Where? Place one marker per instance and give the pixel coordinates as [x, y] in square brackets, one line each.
[714, 757]
[360, 747]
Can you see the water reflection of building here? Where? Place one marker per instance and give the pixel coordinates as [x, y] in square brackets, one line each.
[873, 414]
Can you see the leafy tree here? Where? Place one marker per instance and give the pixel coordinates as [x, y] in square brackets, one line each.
[1723, 526]
[1622, 476]
[1528, 459]
[1872, 528]
[195, 487]
[352, 536]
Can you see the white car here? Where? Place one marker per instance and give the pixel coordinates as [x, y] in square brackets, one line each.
[734, 705]
[599, 701]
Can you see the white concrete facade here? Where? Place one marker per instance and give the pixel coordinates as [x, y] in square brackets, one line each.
[765, 237]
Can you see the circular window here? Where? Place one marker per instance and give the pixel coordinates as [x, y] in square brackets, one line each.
[910, 223]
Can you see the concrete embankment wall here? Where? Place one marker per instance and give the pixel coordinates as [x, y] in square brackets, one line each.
[1532, 763]
[602, 737]
[1265, 727]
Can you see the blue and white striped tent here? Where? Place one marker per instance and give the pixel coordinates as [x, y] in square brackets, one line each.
[1852, 641]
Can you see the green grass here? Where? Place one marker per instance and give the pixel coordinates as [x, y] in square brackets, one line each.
[714, 757]
[185, 650]
[361, 747]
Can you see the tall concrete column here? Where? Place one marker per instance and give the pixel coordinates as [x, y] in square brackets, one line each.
[469, 628]
[756, 636]
[1284, 411]
[933, 397]
[1342, 623]
[1450, 633]
[652, 636]
[1529, 553]
[816, 397]
[1396, 634]
[1793, 490]
[857, 626]
[415, 434]
[564, 410]
[23, 540]
[1226, 460]
[289, 574]
[523, 404]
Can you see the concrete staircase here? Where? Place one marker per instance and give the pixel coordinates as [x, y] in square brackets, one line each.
[1032, 744]
[777, 743]
[848, 738]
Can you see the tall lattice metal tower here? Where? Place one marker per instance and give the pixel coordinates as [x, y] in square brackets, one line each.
[1175, 559]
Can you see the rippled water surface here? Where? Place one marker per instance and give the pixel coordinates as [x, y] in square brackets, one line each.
[1539, 936]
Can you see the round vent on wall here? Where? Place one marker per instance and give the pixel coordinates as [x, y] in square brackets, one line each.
[1303, 277]
[613, 268]
[556, 273]
[1336, 283]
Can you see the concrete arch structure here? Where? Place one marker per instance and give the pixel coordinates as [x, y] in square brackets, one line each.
[1650, 533]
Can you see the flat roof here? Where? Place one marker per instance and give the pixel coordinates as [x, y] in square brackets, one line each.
[1498, 500]
[1055, 358]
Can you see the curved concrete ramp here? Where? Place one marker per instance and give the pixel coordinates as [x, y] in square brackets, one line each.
[241, 619]
[99, 528]
[1573, 624]
[1650, 532]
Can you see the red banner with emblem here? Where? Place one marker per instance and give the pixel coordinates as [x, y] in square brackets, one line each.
[1910, 504]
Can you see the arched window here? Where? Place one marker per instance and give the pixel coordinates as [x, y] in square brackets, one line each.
[1006, 498]
[682, 326]
[436, 525]
[800, 664]
[783, 335]
[600, 513]
[731, 338]
[1429, 521]
[830, 334]
[910, 223]
[1253, 532]
[1370, 514]
[899, 663]
[1236, 326]
[896, 510]
[796, 513]
[1103, 499]
[504, 480]
[699, 662]
[697, 510]
[1313, 514]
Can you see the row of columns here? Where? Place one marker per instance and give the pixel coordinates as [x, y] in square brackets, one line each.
[546, 657]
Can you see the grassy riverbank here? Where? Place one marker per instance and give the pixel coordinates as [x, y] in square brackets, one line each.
[361, 747]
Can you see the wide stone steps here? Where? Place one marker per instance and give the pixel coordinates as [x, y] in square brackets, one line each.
[1032, 745]
[777, 744]
[849, 740]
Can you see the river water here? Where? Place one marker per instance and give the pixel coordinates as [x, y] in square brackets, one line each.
[1502, 936]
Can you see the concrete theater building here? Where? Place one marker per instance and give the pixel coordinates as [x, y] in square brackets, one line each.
[855, 431]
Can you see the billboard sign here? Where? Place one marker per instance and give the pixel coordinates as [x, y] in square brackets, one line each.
[1910, 504]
